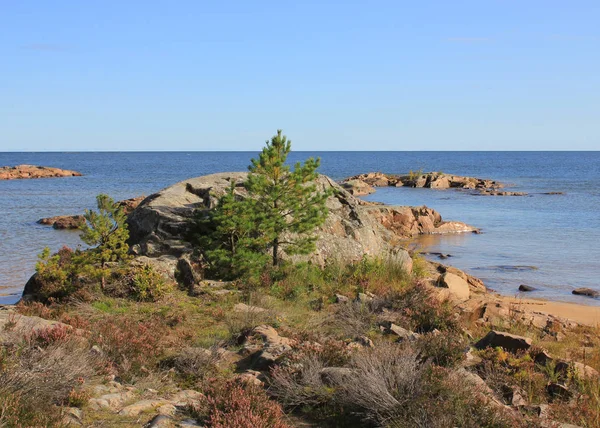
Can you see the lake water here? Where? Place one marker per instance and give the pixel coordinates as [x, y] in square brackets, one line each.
[559, 235]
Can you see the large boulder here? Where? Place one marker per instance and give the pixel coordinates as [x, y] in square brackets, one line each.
[458, 288]
[510, 342]
[160, 224]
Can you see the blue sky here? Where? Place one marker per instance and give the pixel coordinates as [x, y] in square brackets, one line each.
[377, 75]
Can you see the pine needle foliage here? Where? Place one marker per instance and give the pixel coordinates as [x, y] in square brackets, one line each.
[286, 203]
[106, 230]
[281, 209]
[231, 238]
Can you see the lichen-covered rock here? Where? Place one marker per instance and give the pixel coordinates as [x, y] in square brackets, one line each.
[353, 229]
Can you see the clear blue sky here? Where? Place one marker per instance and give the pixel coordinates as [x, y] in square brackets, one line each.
[378, 75]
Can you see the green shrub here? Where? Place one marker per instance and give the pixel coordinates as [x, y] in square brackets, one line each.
[149, 285]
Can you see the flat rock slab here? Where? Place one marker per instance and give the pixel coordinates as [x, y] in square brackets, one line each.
[33, 171]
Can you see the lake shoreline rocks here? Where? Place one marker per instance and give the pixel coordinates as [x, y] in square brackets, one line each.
[34, 171]
[352, 230]
[364, 184]
[70, 222]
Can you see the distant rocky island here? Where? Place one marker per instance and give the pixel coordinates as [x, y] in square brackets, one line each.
[33, 171]
[364, 184]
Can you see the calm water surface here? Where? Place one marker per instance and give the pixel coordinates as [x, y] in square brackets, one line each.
[549, 241]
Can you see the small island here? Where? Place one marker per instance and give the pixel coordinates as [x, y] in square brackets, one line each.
[33, 171]
[364, 184]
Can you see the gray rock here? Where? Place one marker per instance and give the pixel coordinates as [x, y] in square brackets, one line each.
[332, 376]
[244, 308]
[558, 390]
[160, 224]
[159, 421]
[526, 288]
[340, 298]
[510, 342]
[402, 333]
[588, 292]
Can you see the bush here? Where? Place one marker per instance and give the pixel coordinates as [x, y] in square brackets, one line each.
[443, 349]
[55, 274]
[423, 311]
[129, 344]
[235, 404]
[148, 285]
[195, 364]
[34, 380]
[56, 334]
[16, 411]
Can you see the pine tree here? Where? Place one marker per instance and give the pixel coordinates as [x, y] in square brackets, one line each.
[285, 203]
[106, 230]
[230, 238]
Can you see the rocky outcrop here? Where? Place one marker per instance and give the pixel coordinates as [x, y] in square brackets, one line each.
[160, 224]
[359, 184]
[358, 187]
[76, 221]
[32, 171]
[457, 287]
[509, 342]
[128, 205]
[432, 180]
[63, 221]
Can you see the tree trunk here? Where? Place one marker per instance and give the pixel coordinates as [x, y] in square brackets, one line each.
[275, 251]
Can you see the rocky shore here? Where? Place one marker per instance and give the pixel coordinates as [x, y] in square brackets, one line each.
[32, 171]
[364, 184]
[76, 221]
[353, 229]
[287, 349]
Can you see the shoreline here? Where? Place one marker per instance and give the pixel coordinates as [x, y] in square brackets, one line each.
[578, 312]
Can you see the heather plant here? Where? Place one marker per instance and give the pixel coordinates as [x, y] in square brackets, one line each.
[235, 404]
[129, 344]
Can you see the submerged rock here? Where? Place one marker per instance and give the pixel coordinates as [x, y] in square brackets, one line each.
[63, 221]
[33, 171]
[526, 288]
[588, 292]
